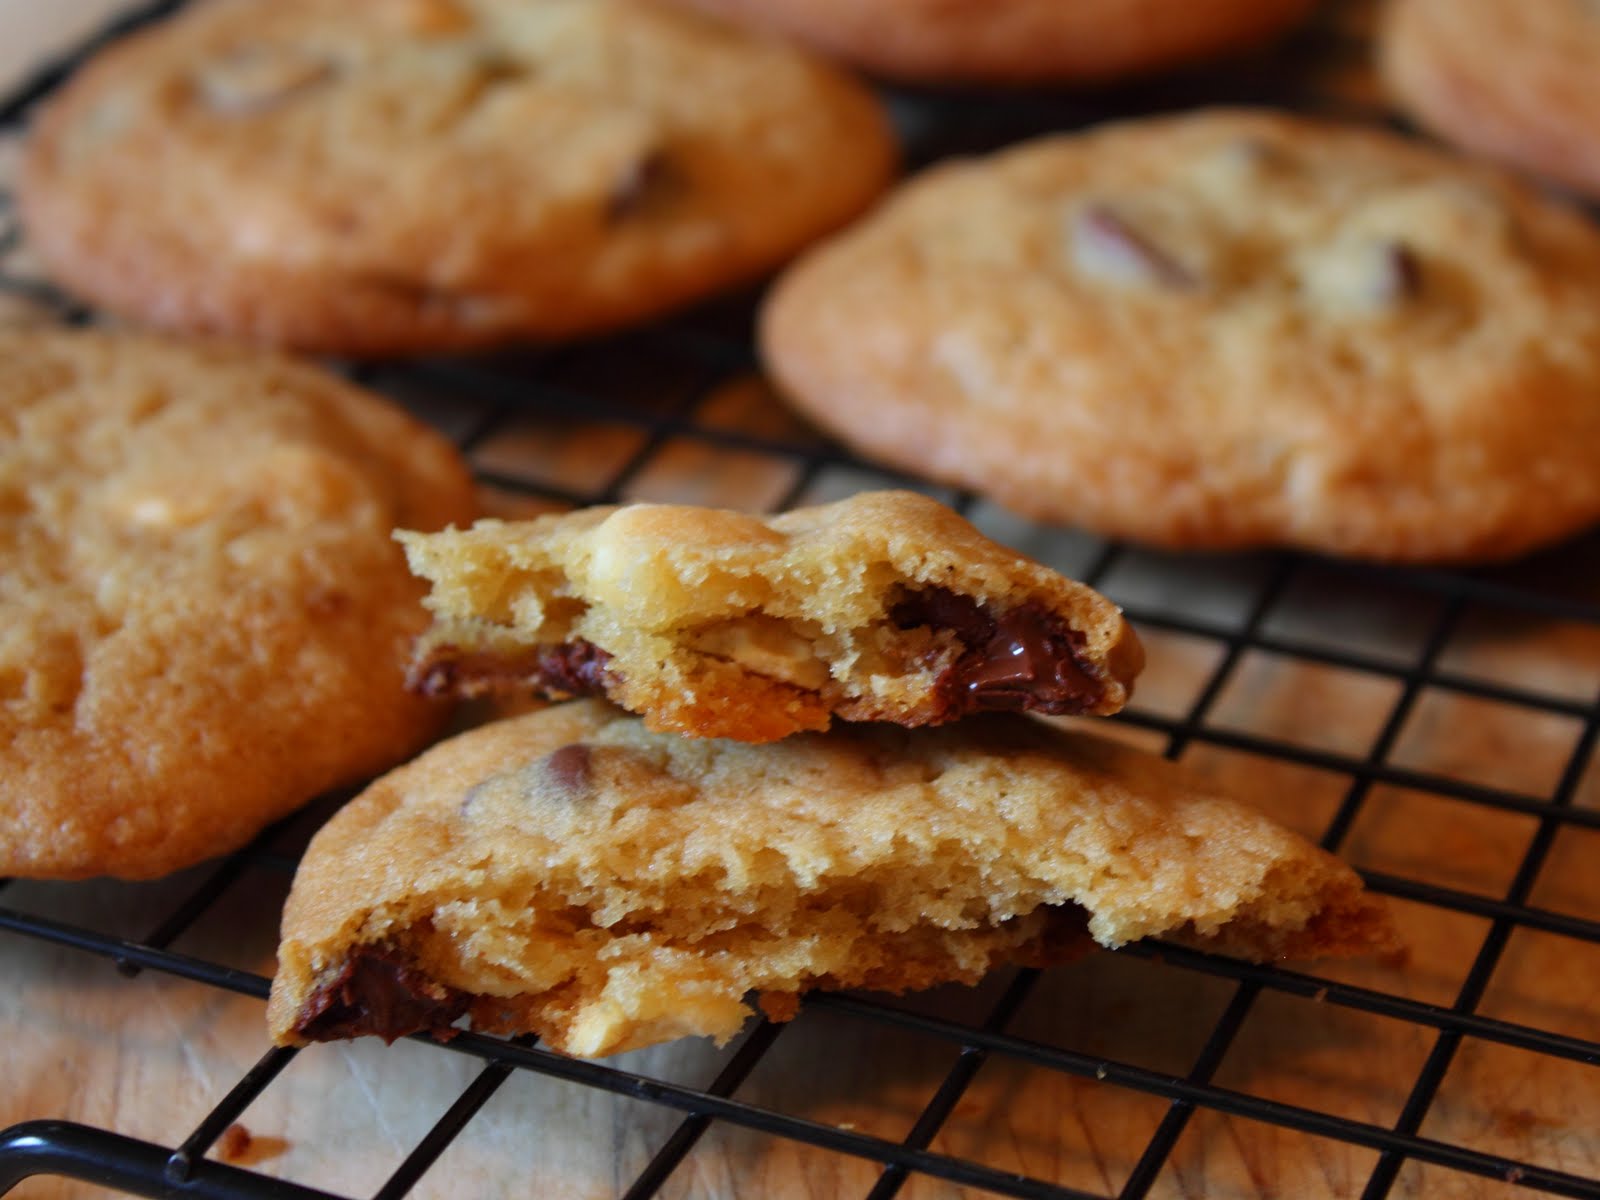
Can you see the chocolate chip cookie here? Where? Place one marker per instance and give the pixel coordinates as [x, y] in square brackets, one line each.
[203, 619]
[1017, 41]
[1516, 82]
[572, 874]
[1221, 329]
[883, 607]
[400, 176]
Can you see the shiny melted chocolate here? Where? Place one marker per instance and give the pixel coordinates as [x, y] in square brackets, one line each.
[575, 668]
[1027, 659]
[379, 991]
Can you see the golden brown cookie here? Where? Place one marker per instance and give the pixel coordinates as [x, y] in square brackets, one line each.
[1017, 41]
[1516, 82]
[203, 619]
[572, 874]
[1221, 329]
[883, 607]
[399, 176]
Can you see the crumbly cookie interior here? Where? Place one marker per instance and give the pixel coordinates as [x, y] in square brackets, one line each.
[722, 624]
[608, 886]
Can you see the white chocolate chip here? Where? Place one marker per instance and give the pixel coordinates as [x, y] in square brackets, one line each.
[1373, 277]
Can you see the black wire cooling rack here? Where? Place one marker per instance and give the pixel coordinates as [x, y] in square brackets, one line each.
[595, 439]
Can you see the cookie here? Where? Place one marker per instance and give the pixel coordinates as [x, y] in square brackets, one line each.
[203, 619]
[572, 874]
[1219, 330]
[883, 607]
[1515, 82]
[403, 176]
[1017, 41]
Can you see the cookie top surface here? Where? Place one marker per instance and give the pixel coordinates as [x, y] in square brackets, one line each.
[611, 874]
[203, 619]
[884, 606]
[1220, 329]
[1017, 41]
[1513, 81]
[407, 175]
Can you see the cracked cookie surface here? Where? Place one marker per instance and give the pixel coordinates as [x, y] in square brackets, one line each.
[399, 176]
[1222, 329]
[572, 874]
[203, 619]
[883, 607]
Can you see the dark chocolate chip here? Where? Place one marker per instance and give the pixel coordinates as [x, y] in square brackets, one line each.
[571, 768]
[575, 668]
[1027, 659]
[379, 991]
[1397, 275]
[645, 183]
[943, 609]
[1107, 245]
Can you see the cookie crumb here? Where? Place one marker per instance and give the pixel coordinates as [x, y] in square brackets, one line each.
[779, 1006]
[234, 1143]
[239, 1147]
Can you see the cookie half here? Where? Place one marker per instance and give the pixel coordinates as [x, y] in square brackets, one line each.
[203, 619]
[1515, 82]
[572, 874]
[402, 176]
[1017, 41]
[1220, 330]
[883, 607]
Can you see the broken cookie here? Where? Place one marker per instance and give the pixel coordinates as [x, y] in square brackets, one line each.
[572, 874]
[883, 607]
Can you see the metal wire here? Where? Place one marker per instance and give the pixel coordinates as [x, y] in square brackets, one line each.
[711, 348]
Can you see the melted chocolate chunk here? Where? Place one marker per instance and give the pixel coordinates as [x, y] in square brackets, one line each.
[575, 668]
[379, 991]
[1027, 659]
[570, 768]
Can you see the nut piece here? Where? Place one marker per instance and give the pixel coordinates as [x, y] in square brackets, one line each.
[1106, 247]
[766, 646]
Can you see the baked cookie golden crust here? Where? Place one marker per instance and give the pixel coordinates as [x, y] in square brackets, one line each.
[883, 607]
[1515, 82]
[203, 619]
[1017, 41]
[572, 874]
[1222, 329]
[401, 176]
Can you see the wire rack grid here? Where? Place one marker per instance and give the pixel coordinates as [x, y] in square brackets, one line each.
[1437, 727]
